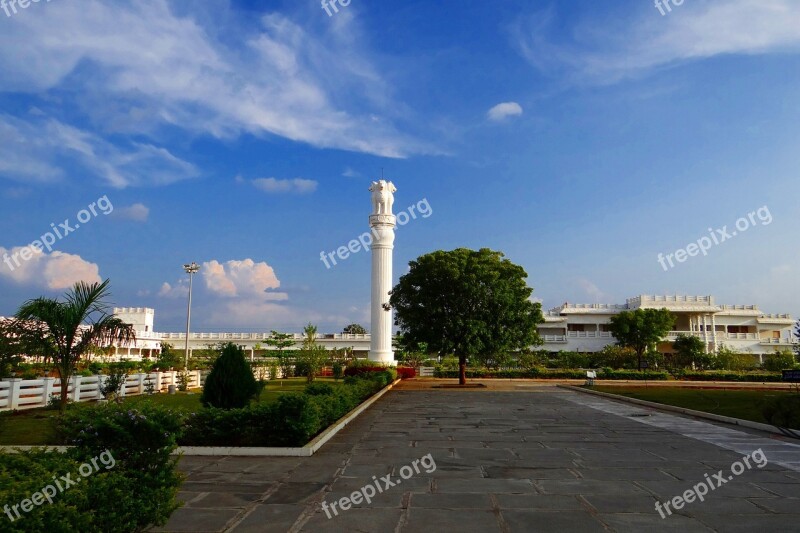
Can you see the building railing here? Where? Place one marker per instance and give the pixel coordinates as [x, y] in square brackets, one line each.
[35, 393]
[777, 316]
[777, 341]
[738, 307]
[637, 300]
[589, 334]
[554, 338]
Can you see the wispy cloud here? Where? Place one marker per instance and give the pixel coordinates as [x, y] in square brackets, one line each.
[350, 173]
[36, 148]
[135, 212]
[278, 78]
[607, 51]
[296, 185]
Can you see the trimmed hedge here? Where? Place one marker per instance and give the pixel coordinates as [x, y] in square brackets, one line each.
[129, 490]
[725, 375]
[783, 411]
[546, 373]
[293, 420]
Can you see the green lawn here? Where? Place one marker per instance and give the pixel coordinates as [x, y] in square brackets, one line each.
[745, 404]
[36, 427]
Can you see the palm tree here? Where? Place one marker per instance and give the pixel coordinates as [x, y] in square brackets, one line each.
[66, 331]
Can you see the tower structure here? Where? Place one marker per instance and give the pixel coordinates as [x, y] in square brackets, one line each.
[382, 223]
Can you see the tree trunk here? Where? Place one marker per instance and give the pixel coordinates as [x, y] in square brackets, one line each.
[62, 405]
[462, 370]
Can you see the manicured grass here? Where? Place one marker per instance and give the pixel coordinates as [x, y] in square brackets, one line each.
[35, 427]
[744, 404]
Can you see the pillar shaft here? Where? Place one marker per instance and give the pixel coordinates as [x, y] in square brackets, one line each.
[381, 313]
[382, 223]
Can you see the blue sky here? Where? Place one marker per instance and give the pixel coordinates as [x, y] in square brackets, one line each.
[580, 138]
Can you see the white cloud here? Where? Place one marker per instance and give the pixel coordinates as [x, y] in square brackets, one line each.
[609, 50]
[136, 67]
[180, 290]
[55, 271]
[243, 279]
[35, 148]
[350, 173]
[136, 212]
[504, 110]
[297, 185]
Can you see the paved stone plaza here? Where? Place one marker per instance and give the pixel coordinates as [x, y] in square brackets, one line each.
[531, 457]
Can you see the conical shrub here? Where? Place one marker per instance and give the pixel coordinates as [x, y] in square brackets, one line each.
[231, 383]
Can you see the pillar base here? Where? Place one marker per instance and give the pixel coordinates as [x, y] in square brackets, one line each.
[385, 358]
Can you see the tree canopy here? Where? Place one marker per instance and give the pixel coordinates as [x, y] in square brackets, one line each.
[65, 331]
[231, 383]
[689, 351]
[466, 303]
[355, 329]
[641, 329]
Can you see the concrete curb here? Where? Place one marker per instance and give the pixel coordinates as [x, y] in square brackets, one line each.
[218, 451]
[681, 410]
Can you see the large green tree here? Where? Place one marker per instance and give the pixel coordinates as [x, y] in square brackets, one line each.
[641, 329]
[355, 329]
[466, 303]
[65, 331]
[689, 351]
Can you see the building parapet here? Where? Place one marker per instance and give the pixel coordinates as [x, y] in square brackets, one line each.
[120, 310]
[643, 299]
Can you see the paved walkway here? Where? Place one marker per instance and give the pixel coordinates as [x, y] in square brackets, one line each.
[516, 457]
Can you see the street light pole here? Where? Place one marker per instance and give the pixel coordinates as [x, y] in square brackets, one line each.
[190, 269]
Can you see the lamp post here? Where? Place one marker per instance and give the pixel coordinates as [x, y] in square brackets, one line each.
[190, 269]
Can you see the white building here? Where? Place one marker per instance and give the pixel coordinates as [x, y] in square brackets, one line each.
[744, 328]
[569, 327]
[148, 341]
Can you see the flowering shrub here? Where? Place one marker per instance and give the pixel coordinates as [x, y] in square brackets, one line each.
[406, 372]
[140, 489]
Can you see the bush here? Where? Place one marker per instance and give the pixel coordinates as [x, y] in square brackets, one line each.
[542, 373]
[572, 360]
[338, 370]
[406, 372]
[727, 359]
[529, 360]
[783, 411]
[292, 421]
[319, 389]
[117, 376]
[142, 487]
[231, 383]
[298, 418]
[725, 375]
[612, 356]
[777, 361]
[362, 369]
[217, 427]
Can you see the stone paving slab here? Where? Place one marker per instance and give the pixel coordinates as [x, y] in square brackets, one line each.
[513, 457]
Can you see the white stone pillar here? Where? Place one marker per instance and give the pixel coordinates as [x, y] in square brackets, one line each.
[705, 331]
[382, 223]
[714, 332]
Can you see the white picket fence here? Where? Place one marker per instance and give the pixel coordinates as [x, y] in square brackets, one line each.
[33, 393]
